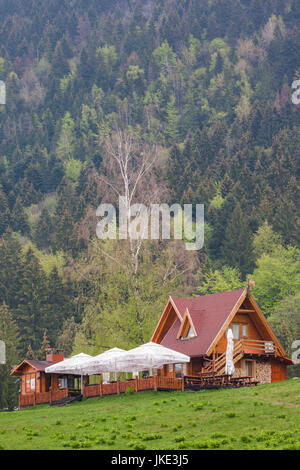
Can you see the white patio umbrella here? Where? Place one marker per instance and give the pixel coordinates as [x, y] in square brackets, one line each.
[145, 357]
[229, 366]
[69, 366]
[98, 364]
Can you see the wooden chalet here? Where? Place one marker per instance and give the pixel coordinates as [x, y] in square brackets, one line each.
[198, 326]
[38, 387]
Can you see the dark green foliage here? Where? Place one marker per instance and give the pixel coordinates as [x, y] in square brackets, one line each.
[10, 336]
[209, 82]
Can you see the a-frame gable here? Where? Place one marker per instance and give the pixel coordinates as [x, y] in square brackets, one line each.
[19, 368]
[227, 322]
[169, 315]
[256, 315]
[187, 323]
[266, 325]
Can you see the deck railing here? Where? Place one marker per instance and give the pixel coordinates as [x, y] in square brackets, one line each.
[242, 347]
[255, 346]
[36, 398]
[139, 385]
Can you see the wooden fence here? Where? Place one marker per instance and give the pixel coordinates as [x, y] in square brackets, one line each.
[32, 399]
[99, 390]
[138, 385]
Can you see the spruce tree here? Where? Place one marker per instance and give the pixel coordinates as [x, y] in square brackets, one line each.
[45, 345]
[9, 335]
[237, 249]
[33, 311]
[4, 212]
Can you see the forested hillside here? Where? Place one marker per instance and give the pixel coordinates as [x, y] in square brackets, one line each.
[205, 86]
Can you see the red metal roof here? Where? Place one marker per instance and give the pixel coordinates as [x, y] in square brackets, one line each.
[208, 314]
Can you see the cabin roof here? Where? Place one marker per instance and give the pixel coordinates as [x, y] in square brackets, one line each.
[208, 314]
[40, 366]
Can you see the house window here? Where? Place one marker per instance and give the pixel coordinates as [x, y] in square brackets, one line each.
[249, 368]
[178, 370]
[190, 333]
[236, 330]
[62, 382]
[244, 330]
[170, 367]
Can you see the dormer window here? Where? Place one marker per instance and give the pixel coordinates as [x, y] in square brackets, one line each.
[190, 333]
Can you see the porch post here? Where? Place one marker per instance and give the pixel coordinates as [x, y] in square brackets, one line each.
[155, 382]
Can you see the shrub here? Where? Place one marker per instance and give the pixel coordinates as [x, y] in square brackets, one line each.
[230, 414]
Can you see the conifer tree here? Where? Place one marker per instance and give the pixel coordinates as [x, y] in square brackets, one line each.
[30, 354]
[45, 345]
[19, 219]
[237, 249]
[4, 212]
[10, 336]
[33, 311]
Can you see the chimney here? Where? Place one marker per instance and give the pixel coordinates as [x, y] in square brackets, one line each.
[54, 355]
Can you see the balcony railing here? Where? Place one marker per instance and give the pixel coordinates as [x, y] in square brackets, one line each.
[255, 346]
[242, 347]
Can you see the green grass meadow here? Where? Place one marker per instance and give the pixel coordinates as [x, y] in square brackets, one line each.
[263, 417]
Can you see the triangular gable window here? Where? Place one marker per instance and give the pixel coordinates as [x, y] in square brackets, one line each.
[190, 333]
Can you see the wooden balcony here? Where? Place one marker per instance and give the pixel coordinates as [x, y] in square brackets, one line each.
[242, 348]
[259, 347]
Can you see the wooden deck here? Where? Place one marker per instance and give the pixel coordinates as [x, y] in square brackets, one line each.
[206, 380]
[138, 385]
[113, 388]
[242, 348]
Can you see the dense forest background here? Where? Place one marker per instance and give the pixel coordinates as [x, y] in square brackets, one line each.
[205, 86]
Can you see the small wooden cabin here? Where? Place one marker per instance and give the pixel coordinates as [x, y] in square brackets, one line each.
[198, 326]
[38, 387]
[33, 376]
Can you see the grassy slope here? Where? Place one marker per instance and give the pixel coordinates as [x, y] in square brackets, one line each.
[267, 416]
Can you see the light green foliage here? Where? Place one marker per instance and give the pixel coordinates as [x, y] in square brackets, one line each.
[134, 73]
[66, 80]
[2, 65]
[277, 276]
[126, 305]
[285, 320]
[34, 211]
[217, 201]
[47, 260]
[65, 143]
[221, 280]
[191, 53]
[218, 44]
[73, 169]
[265, 240]
[109, 55]
[164, 56]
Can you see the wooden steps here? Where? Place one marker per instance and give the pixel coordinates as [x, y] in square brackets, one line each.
[218, 366]
[66, 400]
